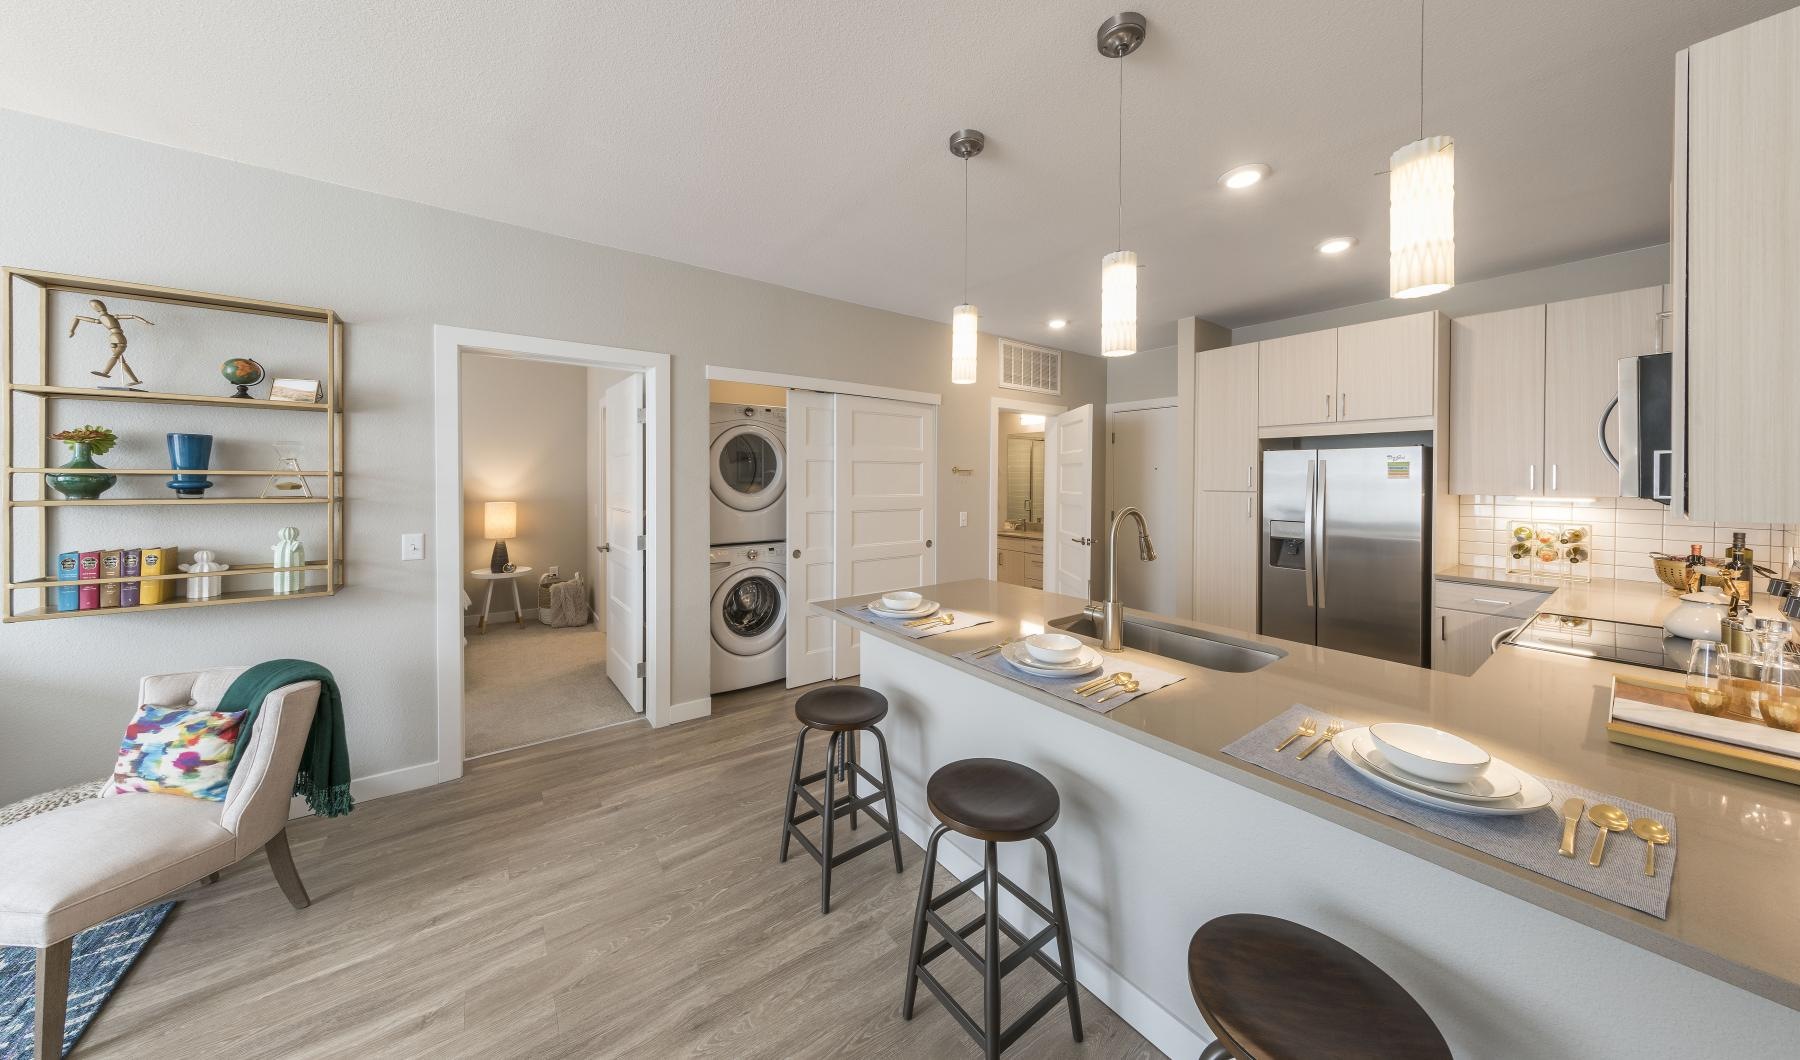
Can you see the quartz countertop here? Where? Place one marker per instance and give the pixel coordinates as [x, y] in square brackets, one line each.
[1024, 535]
[1732, 913]
[1602, 600]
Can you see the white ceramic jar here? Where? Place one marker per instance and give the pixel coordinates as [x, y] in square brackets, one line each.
[1698, 616]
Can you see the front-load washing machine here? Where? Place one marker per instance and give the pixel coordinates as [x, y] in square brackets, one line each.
[749, 615]
[749, 473]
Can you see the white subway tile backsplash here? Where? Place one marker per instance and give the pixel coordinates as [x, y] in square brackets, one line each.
[1625, 532]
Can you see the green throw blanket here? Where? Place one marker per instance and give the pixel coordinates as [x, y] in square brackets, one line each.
[324, 777]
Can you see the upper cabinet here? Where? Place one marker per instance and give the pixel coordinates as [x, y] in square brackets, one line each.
[1367, 376]
[1497, 402]
[1298, 378]
[1736, 267]
[1225, 433]
[1529, 387]
[1387, 369]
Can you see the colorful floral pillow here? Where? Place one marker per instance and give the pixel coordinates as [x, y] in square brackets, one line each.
[176, 751]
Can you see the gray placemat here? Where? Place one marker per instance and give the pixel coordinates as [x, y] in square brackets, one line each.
[964, 620]
[1528, 841]
[1149, 679]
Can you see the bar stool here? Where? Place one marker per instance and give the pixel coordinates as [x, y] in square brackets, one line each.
[842, 711]
[996, 802]
[1271, 989]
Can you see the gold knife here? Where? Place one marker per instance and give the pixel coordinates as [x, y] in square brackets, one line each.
[1571, 815]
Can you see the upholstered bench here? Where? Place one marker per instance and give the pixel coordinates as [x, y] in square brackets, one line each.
[79, 866]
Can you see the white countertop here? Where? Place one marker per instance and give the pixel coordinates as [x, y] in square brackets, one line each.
[1602, 600]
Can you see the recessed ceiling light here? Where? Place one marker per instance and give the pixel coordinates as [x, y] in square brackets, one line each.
[1337, 244]
[1058, 323]
[1244, 176]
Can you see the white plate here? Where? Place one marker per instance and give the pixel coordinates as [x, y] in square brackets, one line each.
[1086, 663]
[1532, 796]
[1496, 782]
[929, 607]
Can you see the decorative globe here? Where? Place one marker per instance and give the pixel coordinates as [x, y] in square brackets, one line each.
[243, 373]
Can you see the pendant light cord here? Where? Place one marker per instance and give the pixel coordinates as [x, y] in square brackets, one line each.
[965, 230]
[1421, 69]
[1119, 223]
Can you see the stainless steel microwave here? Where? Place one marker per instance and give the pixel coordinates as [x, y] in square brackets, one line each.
[1646, 427]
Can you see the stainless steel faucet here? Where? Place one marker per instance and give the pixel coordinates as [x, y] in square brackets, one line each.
[1110, 613]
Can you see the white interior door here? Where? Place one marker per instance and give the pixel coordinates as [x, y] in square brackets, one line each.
[886, 512]
[1069, 513]
[1140, 472]
[625, 538]
[811, 534]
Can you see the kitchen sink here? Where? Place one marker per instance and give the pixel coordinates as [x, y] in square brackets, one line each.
[1184, 643]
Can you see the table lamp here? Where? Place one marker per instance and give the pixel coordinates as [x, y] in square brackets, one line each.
[502, 519]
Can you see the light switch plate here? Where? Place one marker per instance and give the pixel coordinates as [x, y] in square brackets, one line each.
[962, 518]
[412, 546]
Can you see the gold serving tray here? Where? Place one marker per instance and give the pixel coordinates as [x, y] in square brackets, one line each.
[1770, 764]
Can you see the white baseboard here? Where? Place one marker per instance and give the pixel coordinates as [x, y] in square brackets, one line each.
[392, 782]
[1132, 1005]
[692, 710]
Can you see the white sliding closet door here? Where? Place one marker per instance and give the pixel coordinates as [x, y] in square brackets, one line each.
[811, 534]
[886, 510]
[1069, 513]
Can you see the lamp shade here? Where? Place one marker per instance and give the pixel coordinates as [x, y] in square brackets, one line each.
[1422, 218]
[965, 321]
[502, 520]
[1118, 304]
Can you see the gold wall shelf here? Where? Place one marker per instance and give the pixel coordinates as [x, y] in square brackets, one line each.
[27, 378]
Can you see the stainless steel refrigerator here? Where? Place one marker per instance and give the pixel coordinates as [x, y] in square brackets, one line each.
[1344, 549]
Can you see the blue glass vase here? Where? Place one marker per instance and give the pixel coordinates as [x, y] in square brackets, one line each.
[190, 453]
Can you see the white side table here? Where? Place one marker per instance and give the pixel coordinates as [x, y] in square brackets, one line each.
[487, 602]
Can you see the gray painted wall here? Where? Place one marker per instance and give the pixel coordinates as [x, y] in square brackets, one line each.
[94, 204]
[1145, 374]
[1554, 283]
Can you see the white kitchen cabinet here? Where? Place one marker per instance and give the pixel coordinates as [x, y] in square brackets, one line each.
[1583, 342]
[1463, 640]
[1297, 379]
[1226, 410]
[1387, 369]
[1497, 402]
[1225, 567]
[1736, 267]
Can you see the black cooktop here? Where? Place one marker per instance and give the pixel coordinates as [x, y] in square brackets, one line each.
[1624, 642]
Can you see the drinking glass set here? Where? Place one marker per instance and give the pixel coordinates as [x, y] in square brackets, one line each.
[1763, 685]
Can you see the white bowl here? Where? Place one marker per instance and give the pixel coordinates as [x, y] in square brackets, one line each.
[901, 601]
[1430, 753]
[1053, 647]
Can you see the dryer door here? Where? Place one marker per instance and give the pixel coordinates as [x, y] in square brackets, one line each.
[749, 611]
[749, 470]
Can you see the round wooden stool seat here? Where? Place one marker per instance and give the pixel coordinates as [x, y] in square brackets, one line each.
[840, 708]
[1272, 988]
[993, 800]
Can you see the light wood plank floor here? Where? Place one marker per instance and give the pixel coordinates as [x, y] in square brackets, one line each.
[612, 894]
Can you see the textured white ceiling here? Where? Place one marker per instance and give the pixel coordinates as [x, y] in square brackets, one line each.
[803, 142]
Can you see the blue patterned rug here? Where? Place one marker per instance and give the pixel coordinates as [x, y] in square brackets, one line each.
[100, 958]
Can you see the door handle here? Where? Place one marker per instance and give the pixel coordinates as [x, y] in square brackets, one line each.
[1082, 540]
[928, 542]
[603, 548]
[796, 553]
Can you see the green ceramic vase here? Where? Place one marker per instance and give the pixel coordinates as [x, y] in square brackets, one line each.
[81, 487]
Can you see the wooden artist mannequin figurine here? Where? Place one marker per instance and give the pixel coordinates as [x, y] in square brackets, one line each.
[115, 337]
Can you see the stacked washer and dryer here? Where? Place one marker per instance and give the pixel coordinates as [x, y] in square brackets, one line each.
[748, 557]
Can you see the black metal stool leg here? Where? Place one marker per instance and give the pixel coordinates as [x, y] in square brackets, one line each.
[990, 955]
[827, 820]
[852, 759]
[887, 789]
[793, 799]
[1064, 948]
[917, 948]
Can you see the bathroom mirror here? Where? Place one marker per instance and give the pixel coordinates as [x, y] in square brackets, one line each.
[1025, 481]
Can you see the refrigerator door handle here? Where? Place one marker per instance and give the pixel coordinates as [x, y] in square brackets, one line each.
[1324, 560]
[1306, 565]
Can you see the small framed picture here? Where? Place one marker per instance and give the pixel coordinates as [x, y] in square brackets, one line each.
[305, 391]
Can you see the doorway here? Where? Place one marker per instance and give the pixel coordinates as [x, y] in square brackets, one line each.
[514, 467]
[1141, 472]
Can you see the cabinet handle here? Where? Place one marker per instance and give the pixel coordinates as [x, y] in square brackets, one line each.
[1444, 628]
[1249, 476]
[1531, 479]
[1552, 478]
[1327, 406]
[1340, 406]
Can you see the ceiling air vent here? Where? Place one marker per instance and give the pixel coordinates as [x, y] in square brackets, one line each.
[1027, 367]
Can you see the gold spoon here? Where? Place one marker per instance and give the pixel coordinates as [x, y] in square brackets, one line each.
[944, 619]
[1654, 835]
[1126, 687]
[1101, 682]
[1608, 818]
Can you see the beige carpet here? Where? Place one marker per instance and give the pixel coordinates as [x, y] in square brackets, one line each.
[527, 684]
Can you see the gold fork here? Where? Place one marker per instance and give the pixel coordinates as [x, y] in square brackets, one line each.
[921, 623]
[992, 648]
[1330, 731]
[1307, 728]
[1100, 683]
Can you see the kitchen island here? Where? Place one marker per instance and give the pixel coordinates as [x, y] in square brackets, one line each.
[1160, 832]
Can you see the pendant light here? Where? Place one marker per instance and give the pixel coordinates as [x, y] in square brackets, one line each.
[1422, 207]
[1118, 37]
[965, 319]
